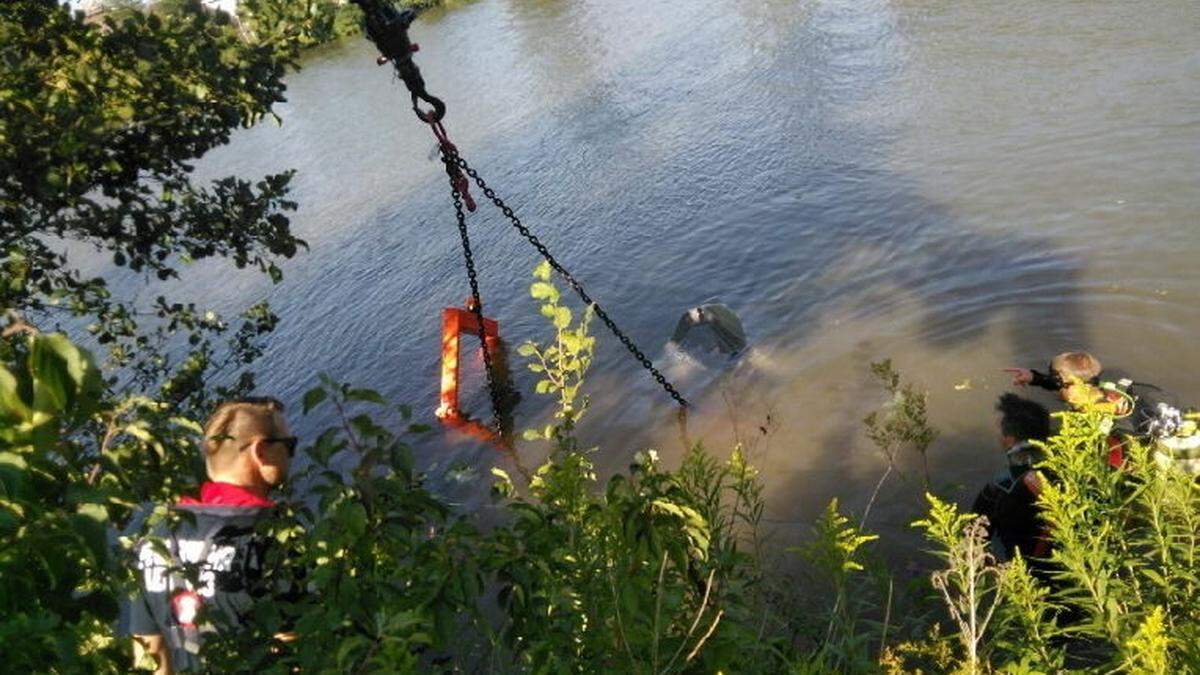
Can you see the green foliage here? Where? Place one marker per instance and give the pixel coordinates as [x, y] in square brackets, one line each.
[903, 420]
[1121, 591]
[640, 577]
[563, 364]
[837, 544]
[99, 129]
[73, 468]
[290, 24]
[1027, 630]
[619, 580]
[837, 556]
[970, 582]
[1125, 545]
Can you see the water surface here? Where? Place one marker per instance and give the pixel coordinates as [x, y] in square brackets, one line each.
[960, 186]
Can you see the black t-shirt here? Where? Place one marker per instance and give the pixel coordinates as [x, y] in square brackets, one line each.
[209, 576]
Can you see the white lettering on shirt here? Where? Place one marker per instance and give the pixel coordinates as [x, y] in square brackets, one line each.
[157, 572]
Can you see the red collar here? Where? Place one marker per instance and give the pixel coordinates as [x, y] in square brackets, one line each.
[226, 494]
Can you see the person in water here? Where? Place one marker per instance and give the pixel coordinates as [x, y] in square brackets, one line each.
[1064, 368]
[1075, 376]
[1010, 501]
[723, 325]
[1144, 411]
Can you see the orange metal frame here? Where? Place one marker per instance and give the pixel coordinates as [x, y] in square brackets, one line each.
[456, 322]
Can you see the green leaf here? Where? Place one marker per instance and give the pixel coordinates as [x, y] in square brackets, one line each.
[562, 317]
[313, 398]
[571, 342]
[91, 522]
[353, 518]
[544, 291]
[12, 407]
[52, 387]
[542, 271]
[82, 369]
[527, 349]
[368, 395]
[366, 427]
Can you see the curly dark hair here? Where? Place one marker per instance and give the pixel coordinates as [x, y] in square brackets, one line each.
[1023, 419]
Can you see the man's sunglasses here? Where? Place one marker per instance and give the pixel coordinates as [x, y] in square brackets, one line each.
[290, 442]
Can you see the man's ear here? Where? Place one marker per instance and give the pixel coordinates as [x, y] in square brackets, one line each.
[257, 448]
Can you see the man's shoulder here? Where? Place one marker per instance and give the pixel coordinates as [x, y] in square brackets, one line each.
[221, 513]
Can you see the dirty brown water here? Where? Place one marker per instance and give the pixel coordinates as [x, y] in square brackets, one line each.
[961, 186]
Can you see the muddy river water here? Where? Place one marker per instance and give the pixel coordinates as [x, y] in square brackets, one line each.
[960, 186]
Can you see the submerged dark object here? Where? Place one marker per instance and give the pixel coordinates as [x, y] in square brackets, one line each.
[717, 327]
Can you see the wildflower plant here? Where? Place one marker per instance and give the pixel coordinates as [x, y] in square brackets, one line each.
[970, 582]
[901, 422]
[838, 554]
[563, 364]
[1125, 544]
[1119, 590]
[640, 574]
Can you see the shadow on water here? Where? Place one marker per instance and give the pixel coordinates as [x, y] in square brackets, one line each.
[666, 153]
[661, 183]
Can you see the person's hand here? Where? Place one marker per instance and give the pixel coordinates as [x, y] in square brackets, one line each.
[1021, 376]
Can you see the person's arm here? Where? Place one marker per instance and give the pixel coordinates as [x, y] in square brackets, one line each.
[1026, 376]
[156, 647]
[1044, 381]
[139, 613]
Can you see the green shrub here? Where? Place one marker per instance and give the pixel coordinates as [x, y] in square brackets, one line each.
[289, 25]
[653, 570]
[643, 576]
[1122, 592]
[74, 466]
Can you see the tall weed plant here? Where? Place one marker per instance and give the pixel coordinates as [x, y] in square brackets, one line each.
[1117, 593]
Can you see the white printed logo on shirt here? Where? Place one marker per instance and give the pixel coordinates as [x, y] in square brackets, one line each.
[156, 569]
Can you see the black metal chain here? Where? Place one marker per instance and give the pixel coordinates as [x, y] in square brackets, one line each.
[450, 158]
[572, 281]
[387, 27]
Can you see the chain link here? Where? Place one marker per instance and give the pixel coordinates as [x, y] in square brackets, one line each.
[449, 157]
[545, 253]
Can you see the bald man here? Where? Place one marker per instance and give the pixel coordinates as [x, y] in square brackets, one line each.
[247, 450]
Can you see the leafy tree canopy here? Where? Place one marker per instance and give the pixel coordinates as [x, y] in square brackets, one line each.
[100, 125]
